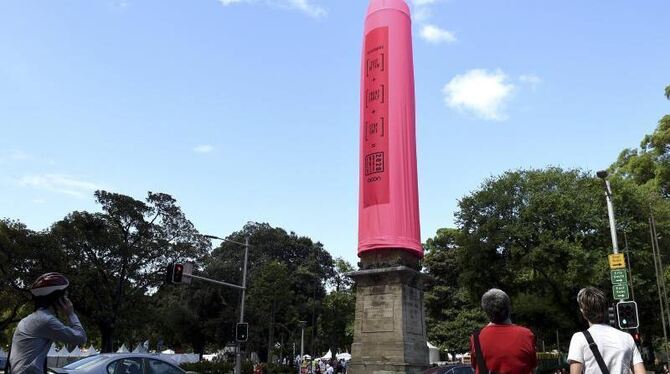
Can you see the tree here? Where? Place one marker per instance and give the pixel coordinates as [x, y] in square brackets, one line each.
[540, 235]
[336, 325]
[450, 315]
[24, 255]
[117, 256]
[307, 265]
[649, 166]
[270, 299]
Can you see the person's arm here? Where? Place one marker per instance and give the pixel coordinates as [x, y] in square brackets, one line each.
[54, 329]
[638, 368]
[576, 367]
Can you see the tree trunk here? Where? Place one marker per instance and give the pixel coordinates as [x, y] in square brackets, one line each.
[107, 337]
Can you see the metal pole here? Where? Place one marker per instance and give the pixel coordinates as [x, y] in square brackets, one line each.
[302, 342]
[630, 268]
[238, 358]
[558, 348]
[610, 213]
[658, 286]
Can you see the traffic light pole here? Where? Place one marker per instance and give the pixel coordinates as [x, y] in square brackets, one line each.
[610, 213]
[238, 357]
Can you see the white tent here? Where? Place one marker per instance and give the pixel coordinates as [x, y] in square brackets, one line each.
[52, 356]
[123, 349]
[168, 352]
[61, 357]
[76, 352]
[327, 356]
[90, 351]
[53, 352]
[343, 356]
[433, 353]
[139, 349]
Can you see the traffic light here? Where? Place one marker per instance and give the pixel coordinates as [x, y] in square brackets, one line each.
[611, 316]
[627, 315]
[242, 332]
[174, 273]
[177, 273]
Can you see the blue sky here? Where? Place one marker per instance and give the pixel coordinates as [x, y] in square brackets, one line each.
[248, 110]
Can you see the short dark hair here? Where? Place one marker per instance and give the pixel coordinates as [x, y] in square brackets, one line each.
[593, 304]
[497, 305]
[48, 300]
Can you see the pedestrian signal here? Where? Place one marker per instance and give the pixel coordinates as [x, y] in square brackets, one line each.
[627, 315]
[242, 332]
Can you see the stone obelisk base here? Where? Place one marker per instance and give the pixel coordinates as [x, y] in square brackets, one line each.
[389, 329]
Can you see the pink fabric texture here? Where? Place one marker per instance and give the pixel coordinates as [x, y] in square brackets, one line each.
[388, 214]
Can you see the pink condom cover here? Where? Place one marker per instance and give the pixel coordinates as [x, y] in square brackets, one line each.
[388, 213]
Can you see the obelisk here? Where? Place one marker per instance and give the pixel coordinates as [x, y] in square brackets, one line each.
[389, 330]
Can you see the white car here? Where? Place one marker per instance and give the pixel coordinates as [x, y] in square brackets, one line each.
[121, 363]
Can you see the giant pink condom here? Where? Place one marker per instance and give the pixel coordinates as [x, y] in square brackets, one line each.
[388, 212]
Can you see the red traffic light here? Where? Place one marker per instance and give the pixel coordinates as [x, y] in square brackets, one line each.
[177, 273]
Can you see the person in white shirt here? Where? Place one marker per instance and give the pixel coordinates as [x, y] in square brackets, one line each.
[617, 348]
[329, 369]
[35, 333]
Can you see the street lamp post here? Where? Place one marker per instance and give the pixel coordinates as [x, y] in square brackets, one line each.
[302, 339]
[238, 356]
[602, 174]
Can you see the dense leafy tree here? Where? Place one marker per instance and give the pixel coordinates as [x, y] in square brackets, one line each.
[286, 284]
[649, 166]
[24, 255]
[117, 256]
[540, 235]
[337, 322]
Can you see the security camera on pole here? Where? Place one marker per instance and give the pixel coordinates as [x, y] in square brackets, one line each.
[626, 311]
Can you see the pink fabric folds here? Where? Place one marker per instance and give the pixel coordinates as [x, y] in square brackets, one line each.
[388, 214]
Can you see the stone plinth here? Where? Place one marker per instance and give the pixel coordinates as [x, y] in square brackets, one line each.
[389, 329]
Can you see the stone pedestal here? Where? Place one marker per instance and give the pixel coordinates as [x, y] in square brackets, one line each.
[389, 329]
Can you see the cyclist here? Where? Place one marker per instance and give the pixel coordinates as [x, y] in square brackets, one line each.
[36, 332]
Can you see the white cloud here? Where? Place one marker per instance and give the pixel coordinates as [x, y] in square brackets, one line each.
[421, 14]
[204, 148]
[423, 2]
[531, 79]
[480, 92]
[436, 35]
[306, 6]
[60, 183]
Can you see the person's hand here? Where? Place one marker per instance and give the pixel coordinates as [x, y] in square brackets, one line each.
[65, 306]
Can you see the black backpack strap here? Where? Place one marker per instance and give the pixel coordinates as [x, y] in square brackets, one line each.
[596, 352]
[481, 363]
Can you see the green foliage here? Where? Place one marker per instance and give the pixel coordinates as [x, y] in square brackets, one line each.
[540, 235]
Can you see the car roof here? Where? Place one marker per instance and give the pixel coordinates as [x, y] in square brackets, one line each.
[157, 356]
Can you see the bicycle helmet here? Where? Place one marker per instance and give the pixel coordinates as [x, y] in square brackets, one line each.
[49, 283]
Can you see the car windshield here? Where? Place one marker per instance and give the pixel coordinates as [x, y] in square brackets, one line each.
[85, 362]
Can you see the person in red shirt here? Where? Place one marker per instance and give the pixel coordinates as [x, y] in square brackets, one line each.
[506, 347]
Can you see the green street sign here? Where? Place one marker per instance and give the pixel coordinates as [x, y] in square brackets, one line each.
[619, 276]
[620, 291]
